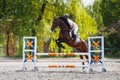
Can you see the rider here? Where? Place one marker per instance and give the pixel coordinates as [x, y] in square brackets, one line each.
[73, 25]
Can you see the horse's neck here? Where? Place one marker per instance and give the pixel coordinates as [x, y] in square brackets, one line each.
[62, 25]
[65, 21]
[64, 31]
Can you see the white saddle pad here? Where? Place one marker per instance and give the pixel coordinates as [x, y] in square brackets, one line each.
[77, 40]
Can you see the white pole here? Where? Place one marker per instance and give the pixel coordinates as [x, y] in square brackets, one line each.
[101, 51]
[29, 50]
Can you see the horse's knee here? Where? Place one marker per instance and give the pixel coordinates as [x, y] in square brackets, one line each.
[58, 42]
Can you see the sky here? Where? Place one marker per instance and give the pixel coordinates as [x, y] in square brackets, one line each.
[87, 2]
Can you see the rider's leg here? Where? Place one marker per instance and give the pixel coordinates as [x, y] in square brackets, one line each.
[74, 37]
[75, 32]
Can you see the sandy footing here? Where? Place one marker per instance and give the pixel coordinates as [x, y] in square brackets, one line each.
[10, 69]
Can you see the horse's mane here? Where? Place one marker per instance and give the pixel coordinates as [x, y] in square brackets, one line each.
[65, 21]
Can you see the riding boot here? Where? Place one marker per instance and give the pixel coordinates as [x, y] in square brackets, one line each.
[74, 39]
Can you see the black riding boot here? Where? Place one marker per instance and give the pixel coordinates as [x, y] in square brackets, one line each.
[74, 37]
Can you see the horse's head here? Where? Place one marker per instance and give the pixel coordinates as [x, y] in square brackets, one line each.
[54, 24]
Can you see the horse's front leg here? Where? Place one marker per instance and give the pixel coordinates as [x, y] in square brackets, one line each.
[58, 42]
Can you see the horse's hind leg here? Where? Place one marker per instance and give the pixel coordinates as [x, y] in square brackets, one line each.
[81, 57]
[83, 63]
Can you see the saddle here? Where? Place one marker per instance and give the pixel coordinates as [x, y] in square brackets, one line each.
[72, 36]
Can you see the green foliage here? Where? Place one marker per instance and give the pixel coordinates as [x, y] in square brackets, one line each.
[86, 24]
[34, 17]
[43, 29]
[54, 35]
[106, 12]
[94, 11]
[18, 17]
[1, 39]
[112, 39]
[110, 10]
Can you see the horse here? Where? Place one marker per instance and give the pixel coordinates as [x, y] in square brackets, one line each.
[64, 36]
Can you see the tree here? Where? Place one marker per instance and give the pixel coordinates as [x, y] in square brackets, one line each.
[87, 25]
[23, 15]
[110, 10]
[34, 18]
[112, 39]
[94, 11]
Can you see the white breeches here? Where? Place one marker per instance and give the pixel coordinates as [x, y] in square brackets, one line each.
[75, 30]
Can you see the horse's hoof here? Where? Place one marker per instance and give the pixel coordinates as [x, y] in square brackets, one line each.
[35, 69]
[103, 70]
[24, 69]
[91, 70]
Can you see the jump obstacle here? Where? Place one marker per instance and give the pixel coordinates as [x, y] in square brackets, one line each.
[95, 54]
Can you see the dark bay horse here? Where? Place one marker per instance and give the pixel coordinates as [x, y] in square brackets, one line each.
[65, 37]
